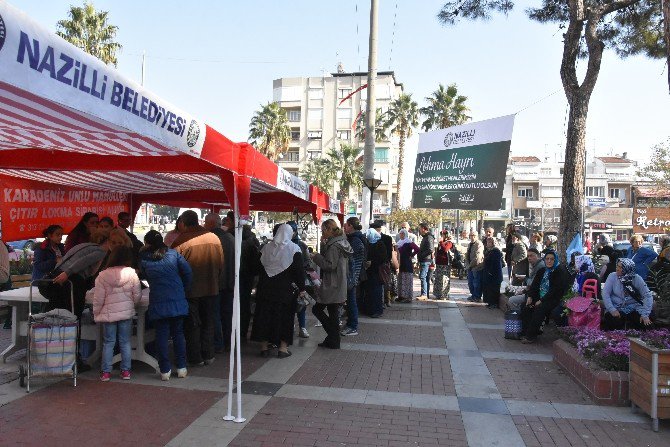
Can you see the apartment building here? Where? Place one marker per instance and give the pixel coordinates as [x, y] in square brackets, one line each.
[322, 114]
[536, 194]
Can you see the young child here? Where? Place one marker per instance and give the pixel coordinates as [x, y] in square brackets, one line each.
[117, 291]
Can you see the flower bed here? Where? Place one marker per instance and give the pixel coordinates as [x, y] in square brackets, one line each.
[598, 361]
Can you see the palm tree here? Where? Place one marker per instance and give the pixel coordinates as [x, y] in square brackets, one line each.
[348, 168]
[380, 132]
[447, 108]
[88, 29]
[269, 131]
[321, 173]
[401, 117]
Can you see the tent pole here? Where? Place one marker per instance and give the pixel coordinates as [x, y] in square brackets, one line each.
[236, 304]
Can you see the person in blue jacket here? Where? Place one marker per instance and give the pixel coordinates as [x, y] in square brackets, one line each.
[48, 253]
[492, 275]
[627, 299]
[640, 255]
[169, 277]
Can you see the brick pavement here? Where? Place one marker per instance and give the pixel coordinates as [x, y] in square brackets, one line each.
[535, 381]
[379, 371]
[296, 422]
[354, 397]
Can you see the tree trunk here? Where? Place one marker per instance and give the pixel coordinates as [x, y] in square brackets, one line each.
[666, 35]
[401, 163]
[578, 96]
[573, 176]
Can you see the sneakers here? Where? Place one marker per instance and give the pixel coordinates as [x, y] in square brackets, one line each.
[318, 324]
[182, 372]
[105, 377]
[125, 375]
[303, 333]
[348, 331]
[209, 361]
[422, 297]
[166, 376]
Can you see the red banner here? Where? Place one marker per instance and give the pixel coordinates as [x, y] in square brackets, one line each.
[27, 207]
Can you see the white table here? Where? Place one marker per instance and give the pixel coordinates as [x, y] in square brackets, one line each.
[137, 341]
[18, 299]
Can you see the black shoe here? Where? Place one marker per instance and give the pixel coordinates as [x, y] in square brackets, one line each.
[283, 355]
[266, 353]
[375, 315]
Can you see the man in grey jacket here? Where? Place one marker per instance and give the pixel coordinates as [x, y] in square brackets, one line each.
[474, 262]
[517, 302]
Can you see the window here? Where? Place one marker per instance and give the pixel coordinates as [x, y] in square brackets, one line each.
[343, 114]
[294, 115]
[291, 156]
[314, 135]
[343, 92]
[618, 193]
[295, 135]
[344, 135]
[313, 155]
[561, 170]
[525, 191]
[381, 155]
[546, 171]
[315, 114]
[595, 191]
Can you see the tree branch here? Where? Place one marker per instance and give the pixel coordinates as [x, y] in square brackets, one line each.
[571, 49]
[595, 47]
[615, 6]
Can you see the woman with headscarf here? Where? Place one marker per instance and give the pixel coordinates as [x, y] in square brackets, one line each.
[550, 242]
[281, 279]
[545, 293]
[406, 251]
[374, 291]
[584, 269]
[627, 298]
[492, 276]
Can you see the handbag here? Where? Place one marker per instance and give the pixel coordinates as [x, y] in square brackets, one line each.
[48, 289]
[584, 313]
[385, 274]
[513, 325]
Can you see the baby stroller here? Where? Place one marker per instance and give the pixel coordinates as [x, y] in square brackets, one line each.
[53, 343]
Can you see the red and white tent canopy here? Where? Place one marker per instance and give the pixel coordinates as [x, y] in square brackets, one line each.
[68, 119]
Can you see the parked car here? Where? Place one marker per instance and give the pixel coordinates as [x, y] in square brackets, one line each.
[623, 246]
[25, 244]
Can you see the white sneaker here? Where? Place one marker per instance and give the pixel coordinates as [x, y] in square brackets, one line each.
[303, 333]
[181, 372]
[166, 376]
[348, 331]
[318, 324]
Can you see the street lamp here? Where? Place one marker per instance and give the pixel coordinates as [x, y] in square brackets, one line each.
[372, 184]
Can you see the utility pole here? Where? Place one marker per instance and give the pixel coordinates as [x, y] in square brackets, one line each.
[370, 115]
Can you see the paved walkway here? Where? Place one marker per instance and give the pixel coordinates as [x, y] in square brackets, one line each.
[424, 374]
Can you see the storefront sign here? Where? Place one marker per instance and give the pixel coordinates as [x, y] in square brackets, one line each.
[45, 64]
[463, 167]
[614, 216]
[651, 220]
[28, 207]
[290, 183]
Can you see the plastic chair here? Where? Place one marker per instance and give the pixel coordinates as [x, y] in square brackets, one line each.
[590, 288]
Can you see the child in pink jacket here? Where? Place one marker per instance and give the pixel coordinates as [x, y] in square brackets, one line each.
[117, 291]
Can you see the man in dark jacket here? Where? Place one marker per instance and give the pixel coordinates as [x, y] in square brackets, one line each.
[223, 306]
[124, 220]
[425, 258]
[352, 228]
[388, 245]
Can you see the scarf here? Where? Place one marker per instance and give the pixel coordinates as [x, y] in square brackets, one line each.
[405, 240]
[583, 265]
[277, 255]
[544, 284]
[373, 236]
[627, 276]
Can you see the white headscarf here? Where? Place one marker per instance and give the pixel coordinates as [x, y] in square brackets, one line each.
[402, 242]
[277, 255]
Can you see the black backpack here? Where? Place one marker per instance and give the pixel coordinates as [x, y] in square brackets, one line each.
[457, 258]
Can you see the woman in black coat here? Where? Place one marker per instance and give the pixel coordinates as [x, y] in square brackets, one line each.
[545, 293]
[280, 280]
[492, 277]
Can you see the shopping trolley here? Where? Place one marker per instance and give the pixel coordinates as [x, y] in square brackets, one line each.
[53, 342]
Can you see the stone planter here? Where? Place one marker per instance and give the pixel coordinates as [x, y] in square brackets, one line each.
[604, 387]
[650, 380]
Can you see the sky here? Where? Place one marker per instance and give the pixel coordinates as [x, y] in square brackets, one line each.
[217, 61]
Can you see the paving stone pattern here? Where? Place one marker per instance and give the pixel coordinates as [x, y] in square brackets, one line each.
[294, 422]
[399, 335]
[379, 371]
[493, 340]
[401, 313]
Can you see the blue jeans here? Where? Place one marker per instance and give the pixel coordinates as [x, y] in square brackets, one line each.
[475, 283]
[124, 330]
[424, 276]
[352, 309]
[302, 318]
[174, 328]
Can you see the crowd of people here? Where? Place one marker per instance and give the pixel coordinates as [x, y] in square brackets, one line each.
[190, 275]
